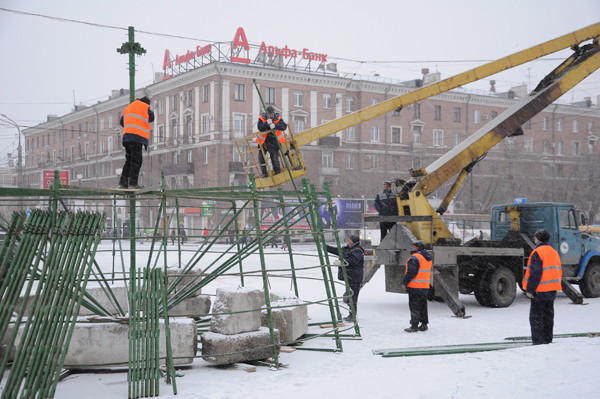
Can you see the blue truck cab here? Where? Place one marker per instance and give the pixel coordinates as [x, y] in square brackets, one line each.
[579, 250]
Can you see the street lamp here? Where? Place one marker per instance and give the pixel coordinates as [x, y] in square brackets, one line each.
[20, 167]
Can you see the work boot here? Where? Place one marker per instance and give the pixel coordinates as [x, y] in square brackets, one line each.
[123, 186]
[264, 175]
[349, 319]
[423, 327]
[135, 187]
[412, 329]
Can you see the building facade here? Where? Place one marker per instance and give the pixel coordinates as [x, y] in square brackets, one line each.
[201, 112]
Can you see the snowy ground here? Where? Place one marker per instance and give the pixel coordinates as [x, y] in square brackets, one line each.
[566, 368]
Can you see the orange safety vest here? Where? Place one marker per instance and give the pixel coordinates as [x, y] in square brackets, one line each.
[551, 269]
[260, 139]
[423, 277]
[135, 119]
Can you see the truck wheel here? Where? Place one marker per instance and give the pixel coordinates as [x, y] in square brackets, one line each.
[481, 288]
[502, 288]
[590, 284]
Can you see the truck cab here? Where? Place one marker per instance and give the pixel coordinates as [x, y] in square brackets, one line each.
[579, 250]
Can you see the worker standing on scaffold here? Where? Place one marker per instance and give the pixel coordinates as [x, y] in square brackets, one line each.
[275, 126]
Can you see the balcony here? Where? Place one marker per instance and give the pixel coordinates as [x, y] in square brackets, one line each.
[330, 141]
[329, 171]
[179, 169]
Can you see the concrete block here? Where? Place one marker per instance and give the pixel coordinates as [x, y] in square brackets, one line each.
[105, 344]
[231, 347]
[172, 273]
[295, 318]
[246, 300]
[192, 306]
[278, 322]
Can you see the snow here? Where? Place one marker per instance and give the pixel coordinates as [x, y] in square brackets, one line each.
[566, 368]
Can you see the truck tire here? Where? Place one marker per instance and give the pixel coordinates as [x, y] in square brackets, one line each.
[590, 284]
[496, 288]
[480, 288]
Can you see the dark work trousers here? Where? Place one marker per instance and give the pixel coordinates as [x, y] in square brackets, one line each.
[541, 319]
[133, 164]
[385, 227]
[417, 304]
[355, 287]
[272, 148]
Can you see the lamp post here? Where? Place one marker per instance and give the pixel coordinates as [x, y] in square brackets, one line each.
[20, 167]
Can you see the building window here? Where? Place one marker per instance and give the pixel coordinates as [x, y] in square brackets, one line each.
[560, 148]
[190, 98]
[509, 143]
[456, 139]
[545, 146]
[575, 126]
[204, 183]
[374, 133]
[298, 98]
[545, 123]
[493, 114]
[475, 116]
[327, 100]
[528, 144]
[161, 134]
[438, 138]
[175, 101]
[456, 114]
[87, 130]
[174, 127]
[205, 93]
[239, 92]
[559, 170]
[101, 146]
[350, 136]
[205, 155]
[110, 122]
[190, 128]
[416, 110]
[270, 95]
[161, 106]
[576, 147]
[349, 104]
[238, 126]
[559, 124]
[591, 127]
[174, 158]
[437, 112]
[375, 159]
[396, 135]
[298, 125]
[350, 161]
[527, 125]
[374, 101]
[395, 162]
[416, 131]
[205, 123]
[327, 159]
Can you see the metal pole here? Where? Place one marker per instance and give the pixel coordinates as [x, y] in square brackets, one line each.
[19, 166]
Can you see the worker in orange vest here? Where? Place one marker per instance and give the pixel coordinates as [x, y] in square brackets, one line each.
[542, 279]
[274, 126]
[135, 121]
[417, 276]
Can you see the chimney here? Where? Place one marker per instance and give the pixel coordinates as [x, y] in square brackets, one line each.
[493, 86]
[51, 117]
[158, 77]
[588, 101]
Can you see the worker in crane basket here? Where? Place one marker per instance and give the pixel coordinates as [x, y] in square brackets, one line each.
[386, 205]
[417, 276]
[541, 281]
[274, 126]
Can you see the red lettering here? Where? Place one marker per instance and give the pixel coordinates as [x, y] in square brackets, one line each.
[240, 39]
[324, 57]
[294, 54]
[263, 48]
[167, 60]
[271, 50]
[305, 53]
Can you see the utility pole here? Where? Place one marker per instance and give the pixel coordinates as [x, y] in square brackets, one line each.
[19, 165]
[132, 48]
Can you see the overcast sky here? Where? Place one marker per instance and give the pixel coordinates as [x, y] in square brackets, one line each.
[50, 64]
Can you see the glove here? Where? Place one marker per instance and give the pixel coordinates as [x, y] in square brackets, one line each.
[269, 121]
[529, 295]
[272, 126]
[403, 287]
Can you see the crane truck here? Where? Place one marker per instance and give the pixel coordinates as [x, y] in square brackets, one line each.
[489, 269]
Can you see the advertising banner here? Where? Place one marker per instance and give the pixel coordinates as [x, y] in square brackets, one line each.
[48, 178]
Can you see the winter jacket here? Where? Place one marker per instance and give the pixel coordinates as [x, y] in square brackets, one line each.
[136, 121]
[263, 126]
[543, 267]
[386, 204]
[355, 256]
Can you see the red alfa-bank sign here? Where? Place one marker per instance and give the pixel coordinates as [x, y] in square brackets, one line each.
[48, 178]
[241, 42]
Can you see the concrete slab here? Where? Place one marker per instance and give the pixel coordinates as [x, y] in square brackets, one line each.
[228, 300]
[228, 349]
[295, 318]
[173, 272]
[278, 322]
[194, 306]
[105, 344]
